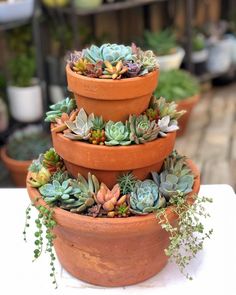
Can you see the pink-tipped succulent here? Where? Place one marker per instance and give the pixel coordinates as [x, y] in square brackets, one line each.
[109, 199]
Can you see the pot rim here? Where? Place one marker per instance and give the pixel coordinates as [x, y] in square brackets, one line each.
[12, 162]
[108, 81]
[73, 218]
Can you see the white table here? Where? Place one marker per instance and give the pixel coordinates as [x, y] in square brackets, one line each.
[214, 269]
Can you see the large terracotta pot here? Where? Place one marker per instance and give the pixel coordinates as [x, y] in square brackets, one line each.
[107, 163]
[186, 104]
[18, 169]
[111, 252]
[113, 99]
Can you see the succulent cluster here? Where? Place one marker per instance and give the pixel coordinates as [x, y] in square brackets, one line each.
[129, 196]
[160, 118]
[112, 61]
[45, 168]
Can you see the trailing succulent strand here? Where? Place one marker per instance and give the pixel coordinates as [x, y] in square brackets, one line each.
[142, 129]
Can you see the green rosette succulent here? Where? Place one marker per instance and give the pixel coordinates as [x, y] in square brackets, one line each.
[176, 177]
[108, 52]
[117, 133]
[142, 129]
[145, 198]
[65, 106]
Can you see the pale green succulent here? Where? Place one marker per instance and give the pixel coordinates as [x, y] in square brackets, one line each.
[176, 177]
[56, 192]
[117, 133]
[165, 108]
[65, 106]
[142, 129]
[147, 60]
[108, 52]
[145, 198]
[81, 127]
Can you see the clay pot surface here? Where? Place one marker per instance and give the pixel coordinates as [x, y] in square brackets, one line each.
[113, 99]
[107, 163]
[186, 104]
[111, 252]
[18, 169]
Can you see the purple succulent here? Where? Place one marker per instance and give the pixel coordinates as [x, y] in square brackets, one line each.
[73, 57]
[133, 69]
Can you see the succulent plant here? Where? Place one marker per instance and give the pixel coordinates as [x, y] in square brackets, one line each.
[97, 137]
[166, 109]
[60, 125]
[145, 198]
[153, 115]
[85, 192]
[60, 176]
[176, 177]
[52, 161]
[141, 129]
[98, 123]
[80, 66]
[94, 70]
[80, 129]
[109, 198]
[127, 183]
[114, 72]
[74, 57]
[27, 143]
[167, 125]
[133, 69]
[40, 177]
[55, 192]
[65, 106]
[117, 133]
[108, 52]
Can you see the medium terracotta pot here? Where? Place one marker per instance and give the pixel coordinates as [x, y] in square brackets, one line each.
[113, 99]
[111, 252]
[107, 163]
[18, 169]
[186, 104]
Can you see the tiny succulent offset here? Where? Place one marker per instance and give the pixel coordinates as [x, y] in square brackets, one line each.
[112, 61]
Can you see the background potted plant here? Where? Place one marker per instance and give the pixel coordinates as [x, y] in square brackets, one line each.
[22, 147]
[183, 88]
[23, 90]
[3, 116]
[84, 4]
[164, 44]
[200, 53]
[14, 10]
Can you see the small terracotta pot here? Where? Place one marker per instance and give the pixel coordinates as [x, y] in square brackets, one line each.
[107, 163]
[186, 104]
[111, 252]
[113, 99]
[18, 169]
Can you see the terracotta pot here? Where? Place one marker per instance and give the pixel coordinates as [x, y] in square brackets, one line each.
[18, 169]
[107, 163]
[186, 104]
[111, 252]
[114, 100]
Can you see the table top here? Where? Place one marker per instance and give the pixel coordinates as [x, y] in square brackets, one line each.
[213, 269]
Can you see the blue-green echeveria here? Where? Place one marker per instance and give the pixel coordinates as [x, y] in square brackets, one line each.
[117, 133]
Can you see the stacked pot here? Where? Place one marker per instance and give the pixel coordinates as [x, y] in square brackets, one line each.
[112, 251]
[115, 100]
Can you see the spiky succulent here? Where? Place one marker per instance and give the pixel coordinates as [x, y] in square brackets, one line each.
[80, 129]
[176, 177]
[141, 129]
[113, 72]
[166, 109]
[145, 198]
[98, 123]
[80, 66]
[117, 133]
[64, 106]
[127, 183]
[108, 52]
[167, 125]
